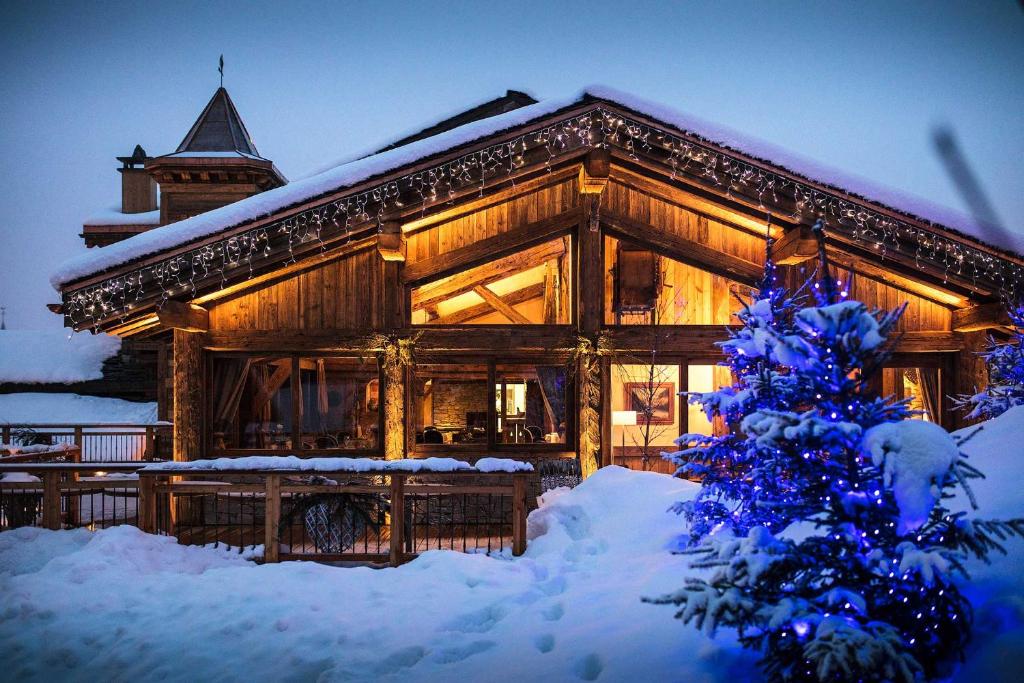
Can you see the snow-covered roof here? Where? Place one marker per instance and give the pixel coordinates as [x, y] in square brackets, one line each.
[351, 173]
[115, 216]
[53, 356]
[44, 408]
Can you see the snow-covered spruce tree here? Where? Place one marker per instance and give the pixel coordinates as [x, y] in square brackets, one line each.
[1005, 361]
[860, 587]
[743, 479]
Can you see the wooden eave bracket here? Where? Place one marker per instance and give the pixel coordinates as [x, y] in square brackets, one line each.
[796, 245]
[176, 315]
[594, 171]
[981, 317]
[391, 241]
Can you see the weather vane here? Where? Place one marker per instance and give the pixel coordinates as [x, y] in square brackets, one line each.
[221, 70]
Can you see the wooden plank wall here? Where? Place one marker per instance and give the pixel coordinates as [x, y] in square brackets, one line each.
[673, 219]
[491, 221]
[921, 314]
[342, 294]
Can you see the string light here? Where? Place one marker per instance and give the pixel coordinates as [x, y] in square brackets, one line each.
[238, 257]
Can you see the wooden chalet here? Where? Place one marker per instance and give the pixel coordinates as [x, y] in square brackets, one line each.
[521, 280]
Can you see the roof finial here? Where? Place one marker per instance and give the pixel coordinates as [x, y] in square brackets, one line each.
[221, 70]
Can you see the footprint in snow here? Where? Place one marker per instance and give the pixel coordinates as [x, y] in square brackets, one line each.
[478, 621]
[544, 643]
[588, 668]
[450, 655]
[553, 612]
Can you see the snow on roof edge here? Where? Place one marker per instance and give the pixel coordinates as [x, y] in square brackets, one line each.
[278, 199]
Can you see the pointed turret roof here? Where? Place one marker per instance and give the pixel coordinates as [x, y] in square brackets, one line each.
[218, 129]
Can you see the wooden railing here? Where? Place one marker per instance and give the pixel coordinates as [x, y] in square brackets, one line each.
[385, 517]
[114, 442]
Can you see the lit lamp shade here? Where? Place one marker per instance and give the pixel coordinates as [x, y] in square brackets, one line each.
[623, 418]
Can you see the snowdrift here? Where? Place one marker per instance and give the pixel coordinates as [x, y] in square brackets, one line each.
[123, 603]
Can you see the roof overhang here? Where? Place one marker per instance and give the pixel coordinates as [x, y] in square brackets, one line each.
[346, 214]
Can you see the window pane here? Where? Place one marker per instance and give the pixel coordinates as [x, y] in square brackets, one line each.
[529, 287]
[252, 402]
[920, 385]
[642, 288]
[644, 416]
[450, 404]
[703, 379]
[340, 403]
[530, 402]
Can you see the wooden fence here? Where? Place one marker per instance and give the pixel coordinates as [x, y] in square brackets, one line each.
[386, 517]
[115, 442]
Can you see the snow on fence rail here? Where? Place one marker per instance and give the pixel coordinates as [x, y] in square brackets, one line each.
[362, 510]
[113, 442]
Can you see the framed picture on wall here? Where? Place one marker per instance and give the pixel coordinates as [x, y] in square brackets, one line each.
[660, 397]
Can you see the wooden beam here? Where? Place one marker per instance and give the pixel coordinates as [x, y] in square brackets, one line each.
[594, 171]
[496, 302]
[682, 249]
[929, 341]
[590, 272]
[483, 275]
[177, 315]
[188, 395]
[796, 245]
[981, 317]
[533, 291]
[551, 287]
[485, 250]
[390, 241]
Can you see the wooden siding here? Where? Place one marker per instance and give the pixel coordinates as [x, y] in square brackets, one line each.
[675, 220]
[342, 294]
[492, 221]
[921, 314]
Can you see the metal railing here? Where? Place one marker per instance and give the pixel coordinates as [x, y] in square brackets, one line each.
[331, 516]
[114, 442]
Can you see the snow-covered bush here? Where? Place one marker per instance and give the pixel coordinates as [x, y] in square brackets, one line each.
[834, 554]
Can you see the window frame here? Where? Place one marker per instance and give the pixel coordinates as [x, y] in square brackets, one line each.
[492, 444]
[296, 396]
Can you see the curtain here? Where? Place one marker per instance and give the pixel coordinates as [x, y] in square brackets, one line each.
[928, 386]
[552, 386]
[228, 383]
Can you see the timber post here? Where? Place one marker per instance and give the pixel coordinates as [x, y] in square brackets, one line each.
[188, 395]
[518, 514]
[397, 540]
[972, 373]
[51, 500]
[147, 504]
[394, 359]
[272, 520]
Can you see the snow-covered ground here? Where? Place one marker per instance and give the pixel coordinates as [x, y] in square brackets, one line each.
[118, 602]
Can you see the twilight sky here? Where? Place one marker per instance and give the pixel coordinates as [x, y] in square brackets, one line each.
[858, 86]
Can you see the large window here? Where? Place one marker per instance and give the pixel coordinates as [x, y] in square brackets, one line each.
[491, 405]
[529, 287]
[643, 288]
[308, 404]
[649, 411]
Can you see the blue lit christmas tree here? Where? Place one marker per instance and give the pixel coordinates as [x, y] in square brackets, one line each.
[853, 580]
[1005, 361]
[739, 474]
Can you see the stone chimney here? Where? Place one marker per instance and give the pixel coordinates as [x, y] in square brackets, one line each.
[138, 188]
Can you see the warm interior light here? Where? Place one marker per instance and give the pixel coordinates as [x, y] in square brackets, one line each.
[623, 418]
